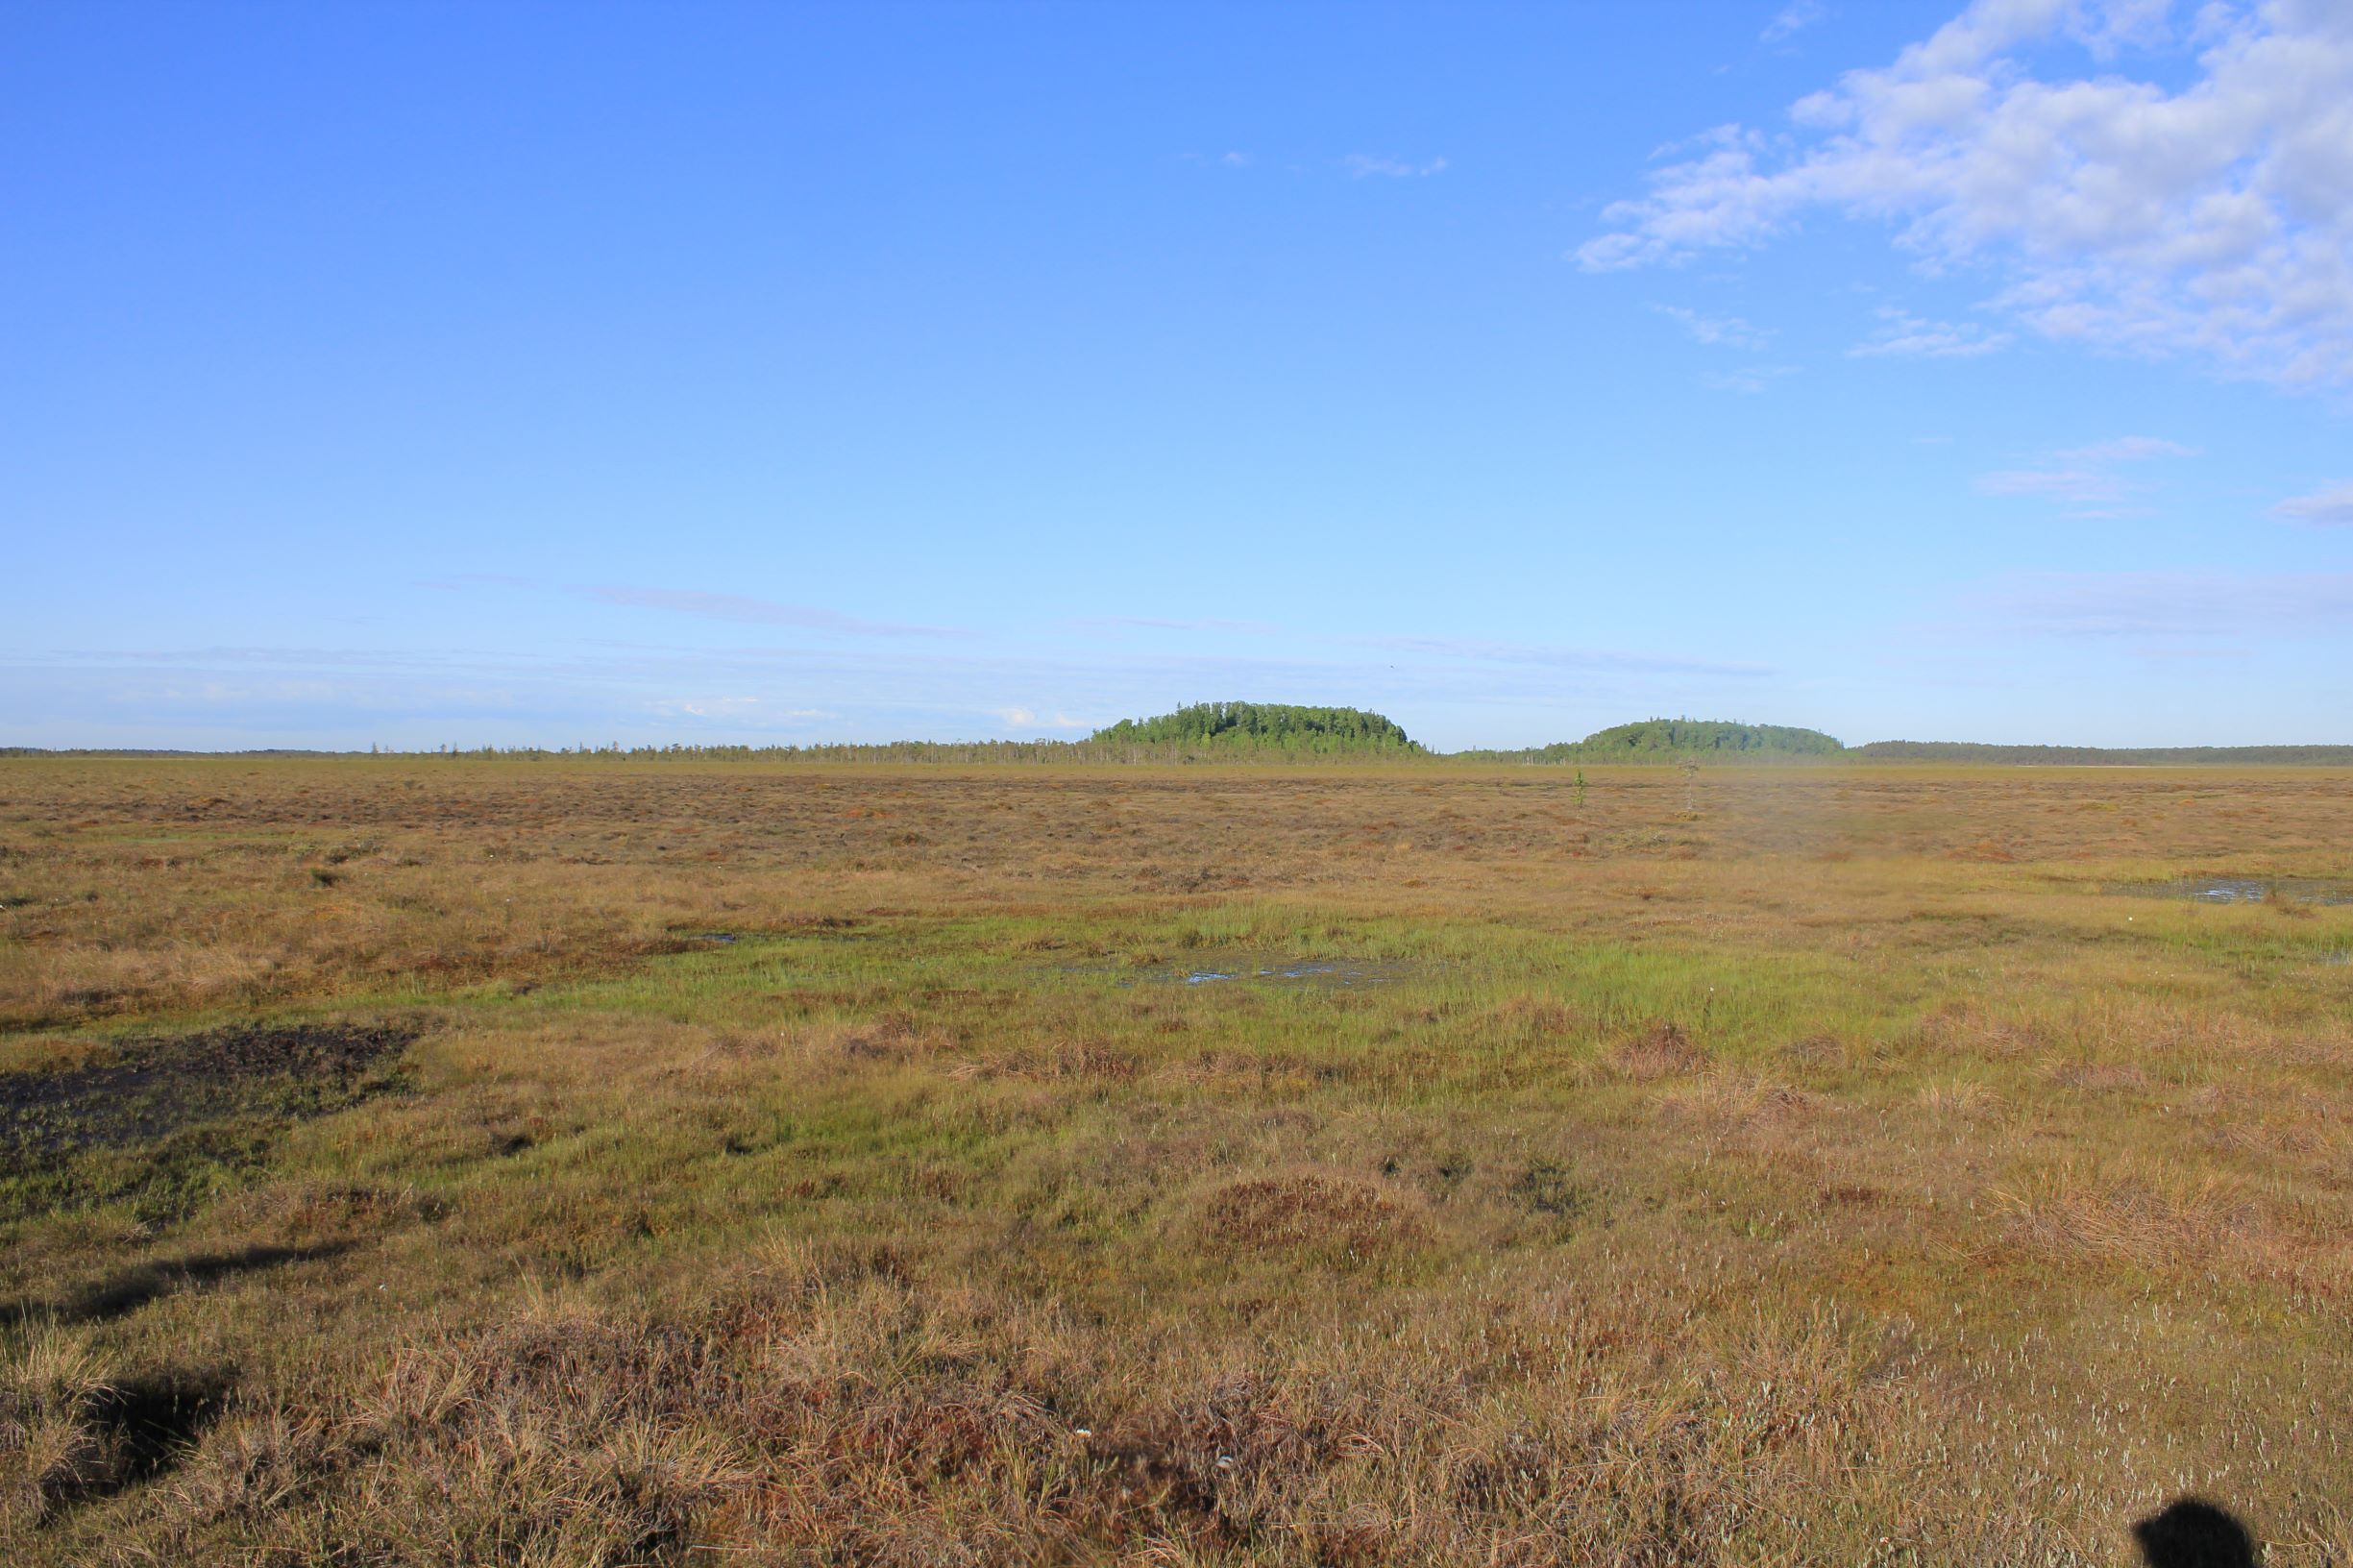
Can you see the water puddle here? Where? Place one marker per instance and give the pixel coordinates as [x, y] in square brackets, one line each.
[1231, 969]
[2242, 890]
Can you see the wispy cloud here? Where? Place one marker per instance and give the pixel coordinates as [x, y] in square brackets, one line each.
[2127, 448]
[1747, 380]
[1902, 333]
[2166, 655]
[1556, 657]
[1027, 720]
[458, 581]
[1150, 623]
[757, 612]
[752, 710]
[1724, 331]
[2333, 507]
[2174, 603]
[1794, 18]
[1363, 165]
[2066, 484]
[850, 689]
[2087, 476]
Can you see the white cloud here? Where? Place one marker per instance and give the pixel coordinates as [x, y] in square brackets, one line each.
[2214, 220]
[1724, 332]
[1362, 164]
[1901, 332]
[2332, 506]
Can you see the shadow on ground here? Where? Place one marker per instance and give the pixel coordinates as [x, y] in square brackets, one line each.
[125, 1292]
[2192, 1533]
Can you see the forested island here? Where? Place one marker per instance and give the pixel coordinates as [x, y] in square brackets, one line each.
[1668, 740]
[1263, 727]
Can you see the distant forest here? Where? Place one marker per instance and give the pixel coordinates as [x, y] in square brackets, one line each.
[1285, 732]
[1669, 740]
[1262, 726]
[1206, 732]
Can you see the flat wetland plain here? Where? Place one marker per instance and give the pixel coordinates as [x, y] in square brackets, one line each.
[415, 1159]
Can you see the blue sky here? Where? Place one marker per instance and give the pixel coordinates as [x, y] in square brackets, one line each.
[420, 374]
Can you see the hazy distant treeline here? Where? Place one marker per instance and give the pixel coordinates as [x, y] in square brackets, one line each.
[1265, 733]
[937, 752]
[2139, 756]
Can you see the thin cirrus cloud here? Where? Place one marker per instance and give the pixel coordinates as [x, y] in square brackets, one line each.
[1747, 381]
[455, 582]
[1903, 334]
[1793, 18]
[2172, 604]
[2063, 484]
[1154, 622]
[2127, 449]
[2208, 214]
[1363, 165]
[1452, 649]
[1716, 332]
[1566, 658]
[745, 610]
[2330, 507]
[2087, 476]
[752, 711]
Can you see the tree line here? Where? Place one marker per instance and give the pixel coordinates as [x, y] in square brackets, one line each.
[1671, 740]
[1253, 727]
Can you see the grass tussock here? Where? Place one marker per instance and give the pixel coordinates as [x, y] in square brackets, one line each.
[1660, 1051]
[831, 1413]
[53, 1444]
[1337, 1216]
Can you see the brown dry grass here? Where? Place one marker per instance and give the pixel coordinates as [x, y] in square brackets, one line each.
[1840, 1171]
